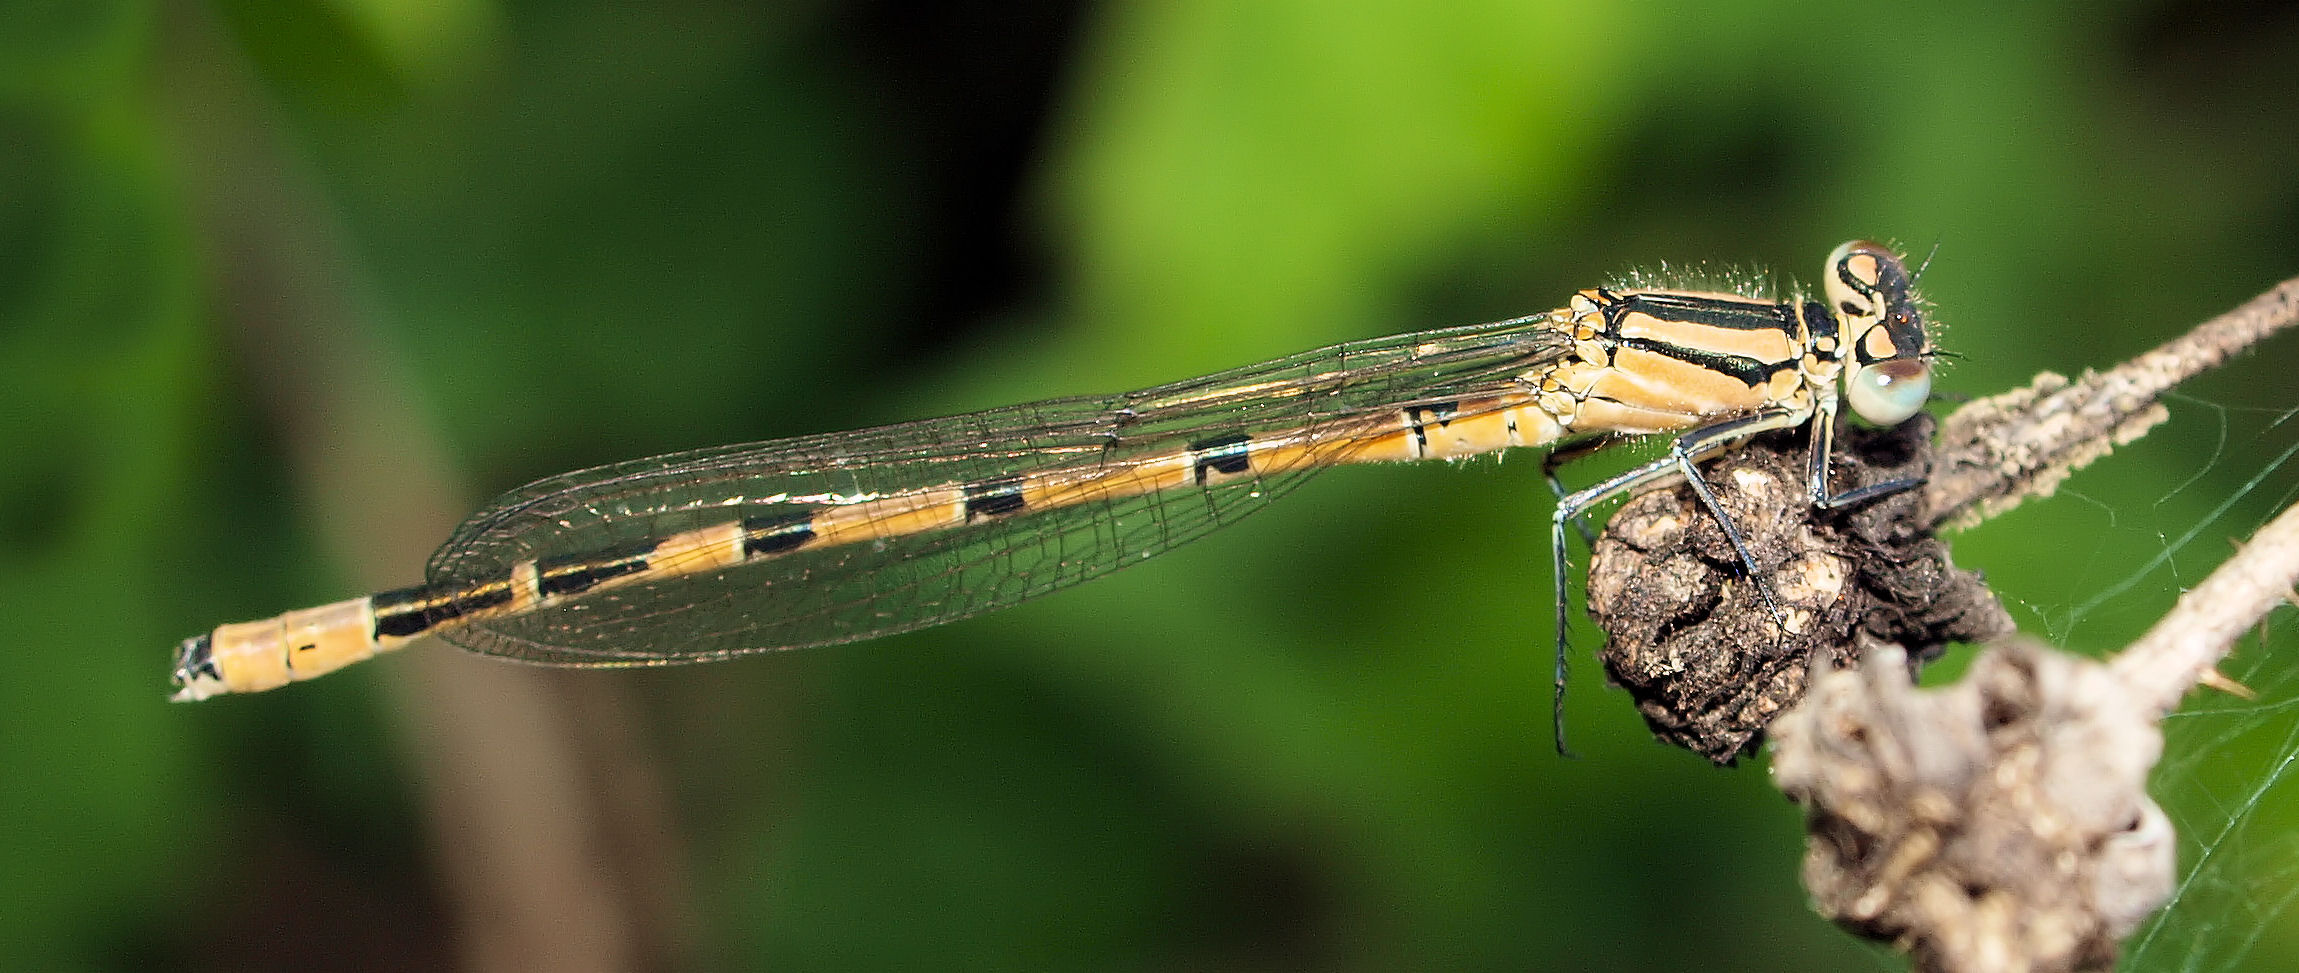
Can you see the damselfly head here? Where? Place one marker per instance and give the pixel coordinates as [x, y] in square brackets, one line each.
[1887, 374]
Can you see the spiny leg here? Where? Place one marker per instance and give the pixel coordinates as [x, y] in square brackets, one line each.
[1683, 455]
[1710, 439]
[1564, 648]
[1572, 452]
[1822, 455]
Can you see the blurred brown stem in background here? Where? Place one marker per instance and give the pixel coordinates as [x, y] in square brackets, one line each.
[550, 829]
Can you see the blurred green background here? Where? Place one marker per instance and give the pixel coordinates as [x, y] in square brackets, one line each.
[288, 286]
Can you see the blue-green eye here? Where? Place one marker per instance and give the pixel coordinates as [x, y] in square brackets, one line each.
[1887, 393]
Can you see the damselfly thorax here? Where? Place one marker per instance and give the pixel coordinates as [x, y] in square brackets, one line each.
[847, 536]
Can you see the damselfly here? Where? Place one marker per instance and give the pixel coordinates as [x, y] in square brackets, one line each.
[847, 536]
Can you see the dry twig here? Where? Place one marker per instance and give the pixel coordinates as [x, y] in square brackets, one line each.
[1999, 824]
[2003, 823]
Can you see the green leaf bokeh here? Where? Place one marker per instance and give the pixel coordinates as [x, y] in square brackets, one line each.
[580, 232]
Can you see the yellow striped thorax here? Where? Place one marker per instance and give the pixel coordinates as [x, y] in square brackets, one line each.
[1647, 360]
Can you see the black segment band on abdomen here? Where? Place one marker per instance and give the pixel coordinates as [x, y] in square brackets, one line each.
[1226, 455]
[994, 498]
[776, 533]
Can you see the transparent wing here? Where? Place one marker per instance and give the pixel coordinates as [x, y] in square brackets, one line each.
[842, 593]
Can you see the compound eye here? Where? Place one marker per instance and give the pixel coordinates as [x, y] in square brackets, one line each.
[1889, 392]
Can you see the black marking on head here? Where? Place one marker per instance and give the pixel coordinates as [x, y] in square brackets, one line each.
[1226, 455]
[572, 574]
[1859, 284]
[1906, 336]
[1909, 333]
[1902, 328]
[776, 533]
[1898, 318]
[994, 498]
[402, 613]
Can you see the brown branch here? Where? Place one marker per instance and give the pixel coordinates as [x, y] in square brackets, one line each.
[2182, 648]
[1998, 825]
[2003, 823]
[1997, 451]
